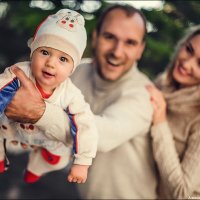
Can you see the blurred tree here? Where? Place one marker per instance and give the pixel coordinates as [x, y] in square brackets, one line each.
[17, 24]
[168, 26]
[19, 19]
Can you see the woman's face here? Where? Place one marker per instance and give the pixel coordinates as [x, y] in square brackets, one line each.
[187, 66]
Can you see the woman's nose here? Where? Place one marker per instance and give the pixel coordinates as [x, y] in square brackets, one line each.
[189, 64]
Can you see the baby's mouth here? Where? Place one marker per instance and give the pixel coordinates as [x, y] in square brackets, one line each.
[47, 74]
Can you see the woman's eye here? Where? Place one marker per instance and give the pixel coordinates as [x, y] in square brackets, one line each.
[63, 59]
[198, 62]
[189, 49]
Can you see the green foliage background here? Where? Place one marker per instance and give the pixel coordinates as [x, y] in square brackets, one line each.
[18, 22]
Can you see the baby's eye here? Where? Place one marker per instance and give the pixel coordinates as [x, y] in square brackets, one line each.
[63, 59]
[44, 52]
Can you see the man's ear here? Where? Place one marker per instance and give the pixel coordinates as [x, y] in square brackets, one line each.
[140, 50]
[94, 38]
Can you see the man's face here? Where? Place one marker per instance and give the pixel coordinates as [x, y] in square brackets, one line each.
[119, 44]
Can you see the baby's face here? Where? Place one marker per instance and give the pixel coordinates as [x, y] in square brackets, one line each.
[50, 67]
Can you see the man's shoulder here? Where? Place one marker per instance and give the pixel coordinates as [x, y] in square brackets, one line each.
[82, 70]
[85, 62]
[139, 78]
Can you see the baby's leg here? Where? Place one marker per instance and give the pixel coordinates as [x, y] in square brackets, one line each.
[41, 162]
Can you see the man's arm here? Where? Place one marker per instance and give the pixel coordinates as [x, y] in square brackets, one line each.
[129, 116]
[27, 106]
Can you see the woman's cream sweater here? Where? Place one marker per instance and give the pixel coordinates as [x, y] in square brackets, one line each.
[176, 144]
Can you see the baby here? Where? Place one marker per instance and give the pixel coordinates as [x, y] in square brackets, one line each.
[56, 50]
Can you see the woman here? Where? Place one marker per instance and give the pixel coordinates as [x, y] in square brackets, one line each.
[176, 121]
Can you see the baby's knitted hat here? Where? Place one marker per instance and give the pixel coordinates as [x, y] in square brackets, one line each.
[63, 31]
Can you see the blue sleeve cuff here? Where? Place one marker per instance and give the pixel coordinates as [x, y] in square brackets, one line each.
[7, 92]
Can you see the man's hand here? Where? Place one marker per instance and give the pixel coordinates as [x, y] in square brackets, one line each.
[27, 106]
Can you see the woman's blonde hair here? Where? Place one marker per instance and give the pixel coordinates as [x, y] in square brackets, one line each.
[189, 34]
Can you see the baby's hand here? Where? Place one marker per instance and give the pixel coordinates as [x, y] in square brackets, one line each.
[78, 173]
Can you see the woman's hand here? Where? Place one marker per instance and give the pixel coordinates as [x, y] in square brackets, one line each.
[159, 104]
[27, 106]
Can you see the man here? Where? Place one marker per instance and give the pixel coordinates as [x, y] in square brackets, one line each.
[115, 89]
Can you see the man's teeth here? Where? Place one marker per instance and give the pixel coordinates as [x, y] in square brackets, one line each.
[113, 62]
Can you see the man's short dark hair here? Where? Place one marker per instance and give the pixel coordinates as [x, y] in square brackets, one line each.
[129, 10]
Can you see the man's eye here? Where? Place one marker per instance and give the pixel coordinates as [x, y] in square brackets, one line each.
[44, 52]
[131, 42]
[108, 36]
[63, 59]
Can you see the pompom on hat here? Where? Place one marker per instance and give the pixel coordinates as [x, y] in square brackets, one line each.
[63, 31]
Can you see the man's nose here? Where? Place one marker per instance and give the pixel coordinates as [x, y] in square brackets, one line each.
[118, 49]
